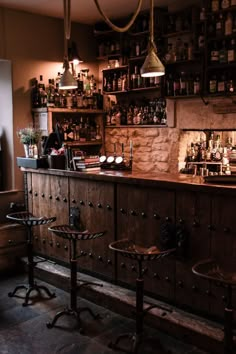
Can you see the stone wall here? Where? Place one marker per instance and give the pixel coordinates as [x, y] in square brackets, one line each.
[164, 149]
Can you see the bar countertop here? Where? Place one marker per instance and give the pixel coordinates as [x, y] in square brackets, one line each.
[167, 180]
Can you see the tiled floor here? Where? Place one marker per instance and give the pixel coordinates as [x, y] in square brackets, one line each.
[23, 330]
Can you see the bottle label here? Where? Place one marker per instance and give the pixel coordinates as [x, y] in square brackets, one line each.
[230, 55]
[212, 86]
[214, 55]
[225, 4]
[215, 5]
[221, 86]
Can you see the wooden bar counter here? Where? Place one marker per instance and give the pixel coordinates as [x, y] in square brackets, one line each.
[140, 206]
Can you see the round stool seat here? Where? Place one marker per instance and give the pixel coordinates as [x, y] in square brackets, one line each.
[128, 248]
[70, 233]
[27, 219]
[211, 270]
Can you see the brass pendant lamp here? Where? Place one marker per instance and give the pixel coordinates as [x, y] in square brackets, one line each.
[67, 81]
[152, 65]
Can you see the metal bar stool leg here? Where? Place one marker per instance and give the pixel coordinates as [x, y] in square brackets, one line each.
[32, 285]
[73, 310]
[228, 324]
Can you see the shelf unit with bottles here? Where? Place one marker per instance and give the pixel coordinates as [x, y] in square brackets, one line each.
[184, 56]
[91, 121]
[220, 50]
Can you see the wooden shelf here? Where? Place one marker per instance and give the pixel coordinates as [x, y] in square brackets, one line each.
[137, 126]
[68, 110]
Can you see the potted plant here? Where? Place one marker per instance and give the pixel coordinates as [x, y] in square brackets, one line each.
[30, 137]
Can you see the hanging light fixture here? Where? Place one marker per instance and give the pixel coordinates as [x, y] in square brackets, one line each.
[73, 55]
[67, 81]
[152, 65]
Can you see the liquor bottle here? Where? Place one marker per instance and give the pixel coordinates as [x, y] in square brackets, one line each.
[68, 100]
[183, 86]
[196, 84]
[190, 51]
[50, 94]
[213, 84]
[35, 95]
[114, 83]
[229, 24]
[43, 93]
[57, 101]
[231, 51]
[201, 38]
[211, 28]
[109, 83]
[80, 84]
[190, 85]
[215, 5]
[169, 57]
[220, 25]
[119, 82]
[225, 4]
[79, 99]
[179, 49]
[124, 82]
[134, 78]
[92, 84]
[58, 78]
[176, 85]
[214, 54]
[169, 85]
[223, 54]
[99, 99]
[222, 83]
[203, 14]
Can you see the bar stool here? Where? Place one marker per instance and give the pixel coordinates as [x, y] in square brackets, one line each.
[210, 270]
[29, 220]
[128, 248]
[73, 235]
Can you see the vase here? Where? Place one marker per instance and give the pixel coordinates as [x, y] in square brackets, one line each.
[31, 150]
[26, 150]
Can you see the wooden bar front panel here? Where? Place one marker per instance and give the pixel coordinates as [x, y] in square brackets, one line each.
[193, 213]
[50, 198]
[95, 202]
[140, 213]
